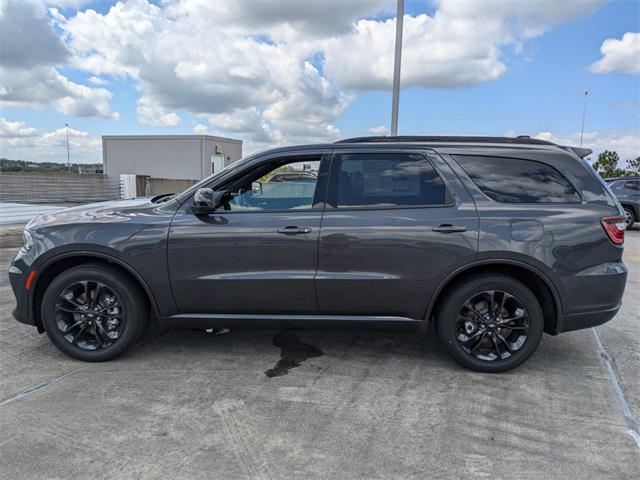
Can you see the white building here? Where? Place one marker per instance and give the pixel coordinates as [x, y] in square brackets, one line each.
[174, 157]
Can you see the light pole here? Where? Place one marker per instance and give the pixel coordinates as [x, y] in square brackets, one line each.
[584, 113]
[396, 69]
[68, 164]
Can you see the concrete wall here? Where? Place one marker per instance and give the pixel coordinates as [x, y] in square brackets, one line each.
[157, 186]
[180, 157]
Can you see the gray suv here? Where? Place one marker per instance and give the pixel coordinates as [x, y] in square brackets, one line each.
[627, 191]
[494, 240]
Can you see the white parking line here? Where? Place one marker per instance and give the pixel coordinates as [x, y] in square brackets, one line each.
[629, 420]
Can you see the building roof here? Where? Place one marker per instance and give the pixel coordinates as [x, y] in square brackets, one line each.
[171, 137]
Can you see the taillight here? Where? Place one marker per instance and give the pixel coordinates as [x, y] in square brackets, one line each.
[615, 227]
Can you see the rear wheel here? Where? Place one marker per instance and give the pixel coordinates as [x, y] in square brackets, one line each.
[629, 216]
[490, 323]
[93, 312]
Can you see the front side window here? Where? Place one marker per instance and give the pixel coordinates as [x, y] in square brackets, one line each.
[276, 186]
[380, 180]
[515, 180]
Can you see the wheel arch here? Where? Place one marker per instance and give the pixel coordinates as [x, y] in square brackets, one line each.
[58, 264]
[540, 284]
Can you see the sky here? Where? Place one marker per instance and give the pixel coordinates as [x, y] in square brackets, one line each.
[281, 72]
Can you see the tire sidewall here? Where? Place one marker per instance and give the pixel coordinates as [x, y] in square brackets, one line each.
[633, 216]
[124, 292]
[448, 313]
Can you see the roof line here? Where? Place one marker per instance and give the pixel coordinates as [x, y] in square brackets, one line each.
[522, 140]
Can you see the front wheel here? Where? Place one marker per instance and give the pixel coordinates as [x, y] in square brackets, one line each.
[93, 312]
[490, 323]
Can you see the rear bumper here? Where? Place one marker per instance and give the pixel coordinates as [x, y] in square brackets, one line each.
[578, 321]
[595, 297]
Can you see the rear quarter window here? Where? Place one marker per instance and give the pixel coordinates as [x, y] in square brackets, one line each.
[515, 180]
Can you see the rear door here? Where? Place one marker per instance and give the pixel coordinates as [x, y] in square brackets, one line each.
[396, 224]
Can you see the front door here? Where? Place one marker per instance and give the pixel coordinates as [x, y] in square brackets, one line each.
[259, 253]
[393, 229]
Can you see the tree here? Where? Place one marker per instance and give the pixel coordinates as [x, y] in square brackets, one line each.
[633, 166]
[607, 165]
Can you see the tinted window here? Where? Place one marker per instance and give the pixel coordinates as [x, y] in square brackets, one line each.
[387, 180]
[518, 181]
[632, 185]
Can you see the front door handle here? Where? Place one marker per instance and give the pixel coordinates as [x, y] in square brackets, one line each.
[293, 230]
[448, 228]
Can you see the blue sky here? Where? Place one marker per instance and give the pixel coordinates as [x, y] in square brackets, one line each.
[514, 68]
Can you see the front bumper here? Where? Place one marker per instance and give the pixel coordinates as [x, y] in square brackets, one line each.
[21, 312]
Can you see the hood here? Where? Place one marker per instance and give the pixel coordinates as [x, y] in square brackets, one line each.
[103, 212]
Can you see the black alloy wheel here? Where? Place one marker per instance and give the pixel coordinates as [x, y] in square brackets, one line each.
[490, 322]
[90, 315]
[94, 312]
[492, 325]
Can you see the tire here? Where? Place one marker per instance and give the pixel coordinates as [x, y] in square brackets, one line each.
[630, 216]
[482, 332]
[121, 306]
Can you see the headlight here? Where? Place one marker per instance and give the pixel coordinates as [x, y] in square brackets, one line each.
[28, 240]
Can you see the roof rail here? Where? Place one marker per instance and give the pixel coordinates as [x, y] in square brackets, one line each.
[522, 140]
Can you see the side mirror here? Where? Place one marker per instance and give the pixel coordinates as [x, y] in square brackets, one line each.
[207, 201]
[256, 189]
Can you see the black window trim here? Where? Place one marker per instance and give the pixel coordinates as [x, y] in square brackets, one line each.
[332, 190]
[323, 156]
[578, 193]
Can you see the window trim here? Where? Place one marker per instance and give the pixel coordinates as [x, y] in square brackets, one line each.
[482, 192]
[323, 156]
[332, 191]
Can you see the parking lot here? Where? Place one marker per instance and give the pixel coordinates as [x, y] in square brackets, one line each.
[189, 404]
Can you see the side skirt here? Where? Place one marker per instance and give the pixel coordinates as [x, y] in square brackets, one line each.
[301, 322]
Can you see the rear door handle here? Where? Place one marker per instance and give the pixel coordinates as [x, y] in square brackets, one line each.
[447, 228]
[293, 230]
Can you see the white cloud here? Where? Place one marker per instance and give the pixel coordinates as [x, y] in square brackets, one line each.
[18, 141]
[619, 55]
[625, 142]
[150, 113]
[18, 129]
[30, 52]
[97, 80]
[73, 4]
[274, 71]
[378, 130]
[200, 129]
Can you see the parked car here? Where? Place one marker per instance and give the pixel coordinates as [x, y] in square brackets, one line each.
[495, 240]
[627, 191]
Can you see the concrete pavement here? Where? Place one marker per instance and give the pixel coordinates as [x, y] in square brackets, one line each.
[189, 405]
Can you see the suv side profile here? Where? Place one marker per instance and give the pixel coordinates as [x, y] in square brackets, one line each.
[627, 191]
[496, 240]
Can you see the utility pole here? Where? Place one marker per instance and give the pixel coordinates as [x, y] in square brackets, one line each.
[396, 69]
[584, 114]
[68, 164]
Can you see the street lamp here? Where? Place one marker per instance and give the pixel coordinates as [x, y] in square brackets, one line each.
[584, 113]
[68, 164]
[396, 69]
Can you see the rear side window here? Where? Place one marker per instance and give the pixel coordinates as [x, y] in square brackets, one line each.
[379, 180]
[515, 180]
[632, 185]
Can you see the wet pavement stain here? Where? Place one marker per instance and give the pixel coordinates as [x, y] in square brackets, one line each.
[292, 353]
